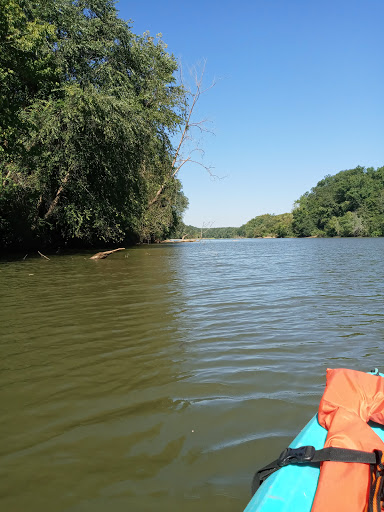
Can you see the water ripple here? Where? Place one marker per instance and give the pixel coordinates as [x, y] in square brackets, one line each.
[161, 380]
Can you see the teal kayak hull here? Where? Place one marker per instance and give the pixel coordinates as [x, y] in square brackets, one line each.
[293, 488]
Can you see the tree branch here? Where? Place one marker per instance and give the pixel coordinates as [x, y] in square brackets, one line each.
[53, 204]
[105, 254]
[185, 136]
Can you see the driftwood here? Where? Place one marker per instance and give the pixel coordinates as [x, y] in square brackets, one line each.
[105, 254]
[42, 255]
[179, 241]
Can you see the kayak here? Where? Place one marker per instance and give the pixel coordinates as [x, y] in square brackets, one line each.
[293, 487]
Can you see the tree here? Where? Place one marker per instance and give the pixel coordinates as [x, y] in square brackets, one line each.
[346, 204]
[268, 225]
[87, 138]
[179, 160]
[303, 223]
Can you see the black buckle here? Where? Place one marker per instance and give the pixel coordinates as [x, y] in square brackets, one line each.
[296, 455]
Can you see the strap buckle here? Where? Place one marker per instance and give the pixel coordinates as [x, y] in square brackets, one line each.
[296, 455]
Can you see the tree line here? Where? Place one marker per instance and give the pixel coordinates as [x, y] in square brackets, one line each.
[88, 110]
[261, 226]
[349, 203]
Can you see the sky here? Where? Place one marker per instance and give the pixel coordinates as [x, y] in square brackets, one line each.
[298, 94]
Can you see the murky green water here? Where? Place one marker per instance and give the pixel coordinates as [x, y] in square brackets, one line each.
[159, 379]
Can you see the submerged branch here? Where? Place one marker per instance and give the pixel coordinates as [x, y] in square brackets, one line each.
[105, 254]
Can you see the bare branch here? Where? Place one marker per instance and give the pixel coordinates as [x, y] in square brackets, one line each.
[43, 256]
[204, 228]
[178, 162]
[180, 166]
[201, 127]
[207, 168]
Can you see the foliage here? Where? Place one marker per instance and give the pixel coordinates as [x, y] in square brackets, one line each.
[87, 110]
[278, 226]
[350, 203]
[164, 217]
[187, 231]
[225, 232]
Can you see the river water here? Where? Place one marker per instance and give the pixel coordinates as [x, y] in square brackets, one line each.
[161, 378]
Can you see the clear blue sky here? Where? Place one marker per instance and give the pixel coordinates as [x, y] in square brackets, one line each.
[300, 95]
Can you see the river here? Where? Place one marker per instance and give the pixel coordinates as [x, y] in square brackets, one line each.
[161, 378]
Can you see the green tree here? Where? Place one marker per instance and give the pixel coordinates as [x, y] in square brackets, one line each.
[348, 203]
[86, 138]
[279, 226]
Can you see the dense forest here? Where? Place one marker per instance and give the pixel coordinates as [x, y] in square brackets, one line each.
[350, 203]
[279, 226]
[87, 114]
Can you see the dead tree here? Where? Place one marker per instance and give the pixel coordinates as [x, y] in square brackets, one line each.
[204, 228]
[180, 159]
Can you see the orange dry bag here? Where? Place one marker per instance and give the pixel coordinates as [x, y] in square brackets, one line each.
[350, 400]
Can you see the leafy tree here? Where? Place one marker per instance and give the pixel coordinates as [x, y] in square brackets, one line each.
[350, 203]
[269, 225]
[85, 137]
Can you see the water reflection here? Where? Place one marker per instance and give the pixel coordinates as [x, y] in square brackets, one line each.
[160, 378]
[89, 363]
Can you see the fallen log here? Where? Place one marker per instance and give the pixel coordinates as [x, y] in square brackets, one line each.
[179, 241]
[41, 254]
[105, 254]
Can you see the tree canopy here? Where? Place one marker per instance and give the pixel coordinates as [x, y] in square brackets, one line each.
[350, 203]
[87, 112]
[279, 226]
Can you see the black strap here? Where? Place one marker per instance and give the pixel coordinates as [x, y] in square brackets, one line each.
[308, 455]
[263, 473]
[343, 455]
[377, 483]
